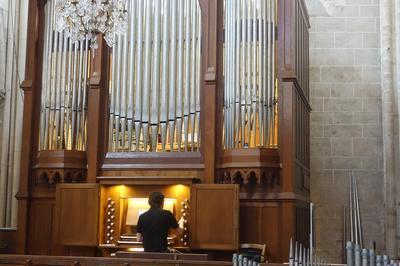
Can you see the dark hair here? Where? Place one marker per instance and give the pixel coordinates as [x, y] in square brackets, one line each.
[156, 199]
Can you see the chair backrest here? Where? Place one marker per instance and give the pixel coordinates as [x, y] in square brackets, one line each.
[256, 251]
[162, 256]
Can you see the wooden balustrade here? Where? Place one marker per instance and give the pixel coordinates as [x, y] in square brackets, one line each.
[27, 260]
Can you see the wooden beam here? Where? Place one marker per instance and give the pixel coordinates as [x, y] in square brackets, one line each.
[31, 88]
[97, 110]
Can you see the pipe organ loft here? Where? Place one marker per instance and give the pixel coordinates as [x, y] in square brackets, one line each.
[206, 101]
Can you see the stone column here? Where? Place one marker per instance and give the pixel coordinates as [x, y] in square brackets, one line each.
[13, 108]
[390, 123]
[396, 11]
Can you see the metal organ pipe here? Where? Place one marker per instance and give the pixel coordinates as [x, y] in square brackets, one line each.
[53, 66]
[249, 73]
[164, 107]
[193, 75]
[112, 143]
[261, 80]
[155, 83]
[139, 77]
[227, 69]
[130, 107]
[272, 62]
[63, 96]
[186, 108]
[265, 68]
[243, 83]
[198, 73]
[117, 108]
[249, 87]
[79, 103]
[146, 76]
[172, 79]
[84, 102]
[236, 129]
[124, 88]
[155, 78]
[63, 88]
[57, 91]
[254, 95]
[74, 91]
[46, 54]
[179, 113]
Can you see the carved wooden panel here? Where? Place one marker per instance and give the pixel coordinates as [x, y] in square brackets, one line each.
[260, 223]
[266, 177]
[40, 227]
[214, 219]
[57, 167]
[52, 177]
[77, 214]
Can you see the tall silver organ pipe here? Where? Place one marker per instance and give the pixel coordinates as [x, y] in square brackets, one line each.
[155, 79]
[249, 74]
[64, 88]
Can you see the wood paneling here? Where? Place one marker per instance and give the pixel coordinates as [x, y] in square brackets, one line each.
[40, 227]
[261, 223]
[77, 214]
[250, 224]
[273, 224]
[214, 219]
[271, 231]
[8, 239]
[302, 224]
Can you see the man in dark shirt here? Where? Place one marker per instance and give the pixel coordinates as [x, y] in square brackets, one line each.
[154, 224]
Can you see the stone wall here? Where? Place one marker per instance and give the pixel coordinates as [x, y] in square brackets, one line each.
[346, 122]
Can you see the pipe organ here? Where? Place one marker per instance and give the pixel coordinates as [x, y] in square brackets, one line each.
[250, 95]
[64, 88]
[196, 91]
[155, 79]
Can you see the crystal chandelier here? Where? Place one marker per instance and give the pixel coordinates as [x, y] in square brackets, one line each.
[84, 19]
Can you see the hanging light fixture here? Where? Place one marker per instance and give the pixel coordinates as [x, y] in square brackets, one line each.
[84, 19]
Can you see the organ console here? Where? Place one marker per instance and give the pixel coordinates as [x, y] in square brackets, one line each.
[206, 101]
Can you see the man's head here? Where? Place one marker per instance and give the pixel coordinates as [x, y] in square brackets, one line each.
[156, 200]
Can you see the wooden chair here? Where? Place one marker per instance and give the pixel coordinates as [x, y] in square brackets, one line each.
[256, 251]
[162, 256]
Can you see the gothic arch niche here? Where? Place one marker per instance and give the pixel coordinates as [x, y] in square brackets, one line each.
[251, 180]
[238, 178]
[56, 178]
[43, 178]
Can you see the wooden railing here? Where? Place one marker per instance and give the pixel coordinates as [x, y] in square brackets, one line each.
[27, 260]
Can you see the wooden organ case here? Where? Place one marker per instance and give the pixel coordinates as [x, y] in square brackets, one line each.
[216, 116]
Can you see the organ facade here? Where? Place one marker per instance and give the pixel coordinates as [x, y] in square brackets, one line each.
[206, 101]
